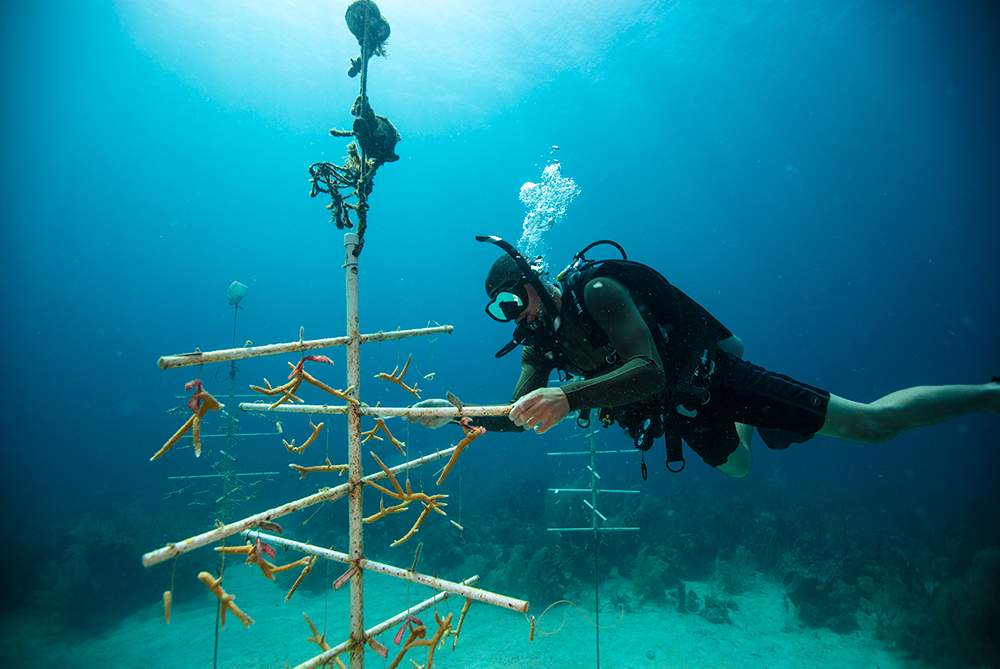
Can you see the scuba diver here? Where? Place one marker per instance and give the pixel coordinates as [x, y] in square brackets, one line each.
[643, 354]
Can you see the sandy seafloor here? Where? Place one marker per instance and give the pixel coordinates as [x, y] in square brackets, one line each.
[764, 633]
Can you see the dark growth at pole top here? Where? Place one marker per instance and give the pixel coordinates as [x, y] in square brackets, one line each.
[374, 136]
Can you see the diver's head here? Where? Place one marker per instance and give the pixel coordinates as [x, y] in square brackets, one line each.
[516, 297]
[515, 289]
[506, 287]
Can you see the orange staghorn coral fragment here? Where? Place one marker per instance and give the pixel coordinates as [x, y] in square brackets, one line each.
[461, 619]
[320, 640]
[430, 502]
[305, 571]
[470, 436]
[319, 468]
[339, 394]
[444, 626]
[287, 391]
[195, 405]
[417, 633]
[380, 425]
[226, 599]
[253, 557]
[395, 484]
[292, 448]
[382, 511]
[316, 638]
[207, 403]
[266, 390]
[301, 562]
[416, 525]
[295, 379]
[398, 380]
[409, 495]
[242, 550]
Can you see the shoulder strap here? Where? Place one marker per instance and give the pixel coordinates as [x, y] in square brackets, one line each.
[572, 301]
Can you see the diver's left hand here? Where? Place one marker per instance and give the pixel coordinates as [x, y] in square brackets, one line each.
[540, 409]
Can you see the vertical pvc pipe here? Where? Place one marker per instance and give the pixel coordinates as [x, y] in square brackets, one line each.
[357, 627]
[597, 540]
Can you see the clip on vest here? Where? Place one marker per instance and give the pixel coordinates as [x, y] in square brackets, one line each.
[675, 453]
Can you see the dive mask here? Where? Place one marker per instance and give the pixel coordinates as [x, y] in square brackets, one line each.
[508, 302]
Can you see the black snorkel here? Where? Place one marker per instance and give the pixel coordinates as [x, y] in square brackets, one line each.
[525, 333]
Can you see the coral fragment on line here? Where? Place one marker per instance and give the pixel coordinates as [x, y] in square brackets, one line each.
[214, 584]
[201, 402]
[398, 379]
[295, 379]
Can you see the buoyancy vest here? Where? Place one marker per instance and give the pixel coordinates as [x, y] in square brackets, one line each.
[686, 334]
[686, 337]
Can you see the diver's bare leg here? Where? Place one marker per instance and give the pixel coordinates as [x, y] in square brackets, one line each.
[741, 460]
[902, 410]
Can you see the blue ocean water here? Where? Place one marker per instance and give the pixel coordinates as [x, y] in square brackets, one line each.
[821, 176]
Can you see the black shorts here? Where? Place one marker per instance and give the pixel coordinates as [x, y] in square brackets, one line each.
[783, 410]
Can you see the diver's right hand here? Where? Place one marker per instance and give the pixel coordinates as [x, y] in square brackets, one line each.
[433, 422]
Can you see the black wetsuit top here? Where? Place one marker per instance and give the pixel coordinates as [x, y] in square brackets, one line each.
[634, 373]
